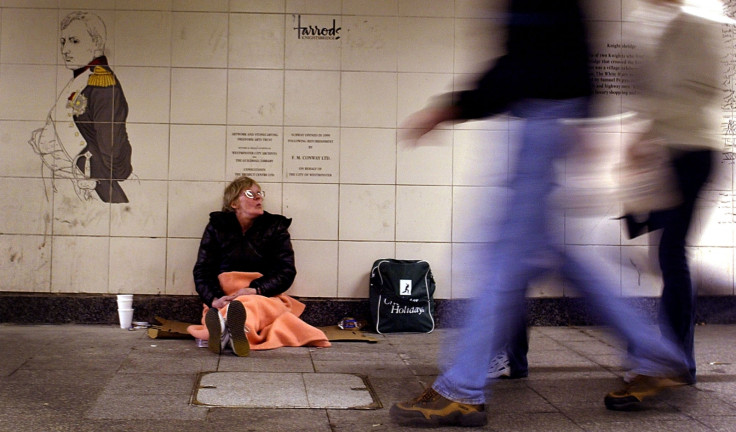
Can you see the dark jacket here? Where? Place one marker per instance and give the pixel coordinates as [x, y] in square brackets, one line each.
[102, 125]
[546, 58]
[265, 248]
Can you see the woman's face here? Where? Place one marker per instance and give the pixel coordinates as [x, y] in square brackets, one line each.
[249, 208]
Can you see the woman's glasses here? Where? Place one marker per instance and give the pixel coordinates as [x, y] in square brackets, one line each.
[252, 195]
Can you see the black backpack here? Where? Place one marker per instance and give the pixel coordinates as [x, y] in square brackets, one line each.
[401, 296]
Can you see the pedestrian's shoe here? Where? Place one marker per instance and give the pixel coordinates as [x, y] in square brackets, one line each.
[216, 327]
[236, 329]
[431, 409]
[499, 368]
[639, 388]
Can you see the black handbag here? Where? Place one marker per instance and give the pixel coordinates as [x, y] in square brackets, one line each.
[401, 296]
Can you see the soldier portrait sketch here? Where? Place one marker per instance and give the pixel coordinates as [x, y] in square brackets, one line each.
[85, 139]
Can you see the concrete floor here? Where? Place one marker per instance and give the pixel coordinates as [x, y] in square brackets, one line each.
[100, 378]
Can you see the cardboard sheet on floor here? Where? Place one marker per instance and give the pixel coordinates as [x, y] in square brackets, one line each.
[336, 334]
[169, 329]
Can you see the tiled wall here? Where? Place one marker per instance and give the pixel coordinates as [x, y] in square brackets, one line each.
[199, 73]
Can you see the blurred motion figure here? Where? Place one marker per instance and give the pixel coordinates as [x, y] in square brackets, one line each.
[542, 78]
[680, 94]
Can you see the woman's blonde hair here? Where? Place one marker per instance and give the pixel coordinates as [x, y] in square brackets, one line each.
[235, 188]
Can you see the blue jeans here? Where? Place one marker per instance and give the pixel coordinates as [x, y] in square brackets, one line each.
[509, 264]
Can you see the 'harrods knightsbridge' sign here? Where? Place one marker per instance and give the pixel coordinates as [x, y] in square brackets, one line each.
[315, 31]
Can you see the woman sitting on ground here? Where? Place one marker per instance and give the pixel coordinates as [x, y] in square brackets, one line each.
[244, 265]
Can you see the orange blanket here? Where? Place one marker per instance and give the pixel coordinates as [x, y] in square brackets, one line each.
[272, 322]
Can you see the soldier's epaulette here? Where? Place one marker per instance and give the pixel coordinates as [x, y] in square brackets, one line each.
[101, 77]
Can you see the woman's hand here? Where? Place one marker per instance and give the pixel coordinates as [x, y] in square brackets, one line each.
[245, 291]
[221, 302]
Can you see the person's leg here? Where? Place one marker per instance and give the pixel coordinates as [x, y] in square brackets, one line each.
[517, 349]
[496, 311]
[677, 306]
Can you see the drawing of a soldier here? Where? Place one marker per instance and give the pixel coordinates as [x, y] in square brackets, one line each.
[85, 137]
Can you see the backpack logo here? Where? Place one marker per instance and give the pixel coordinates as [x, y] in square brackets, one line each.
[405, 287]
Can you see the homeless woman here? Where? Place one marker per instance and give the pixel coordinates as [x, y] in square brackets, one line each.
[244, 265]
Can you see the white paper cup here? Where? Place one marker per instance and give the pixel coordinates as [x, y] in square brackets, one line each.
[125, 304]
[125, 301]
[126, 318]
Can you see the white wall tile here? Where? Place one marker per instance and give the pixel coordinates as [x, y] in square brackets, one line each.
[275, 193]
[145, 214]
[74, 214]
[150, 144]
[429, 163]
[640, 275]
[368, 99]
[314, 208]
[199, 39]
[423, 8]
[26, 263]
[307, 53]
[30, 3]
[476, 212]
[439, 257]
[367, 212]
[255, 97]
[17, 158]
[712, 270]
[143, 38]
[190, 205]
[595, 230]
[370, 43]
[197, 152]
[148, 93]
[374, 7]
[712, 223]
[40, 40]
[417, 90]
[316, 269]
[261, 6]
[314, 6]
[86, 4]
[137, 5]
[312, 98]
[137, 265]
[468, 270]
[15, 80]
[480, 8]
[424, 213]
[197, 95]
[434, 53]
[256, 41]
[80, 264]
[480, 158]
[181, 255]
[198, 5]
[354, 266]
[367, 156]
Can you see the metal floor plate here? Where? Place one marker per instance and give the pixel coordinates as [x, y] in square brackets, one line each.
[284, 390]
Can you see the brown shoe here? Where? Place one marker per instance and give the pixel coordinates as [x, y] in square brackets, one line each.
[431, 409]
[639, 388]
